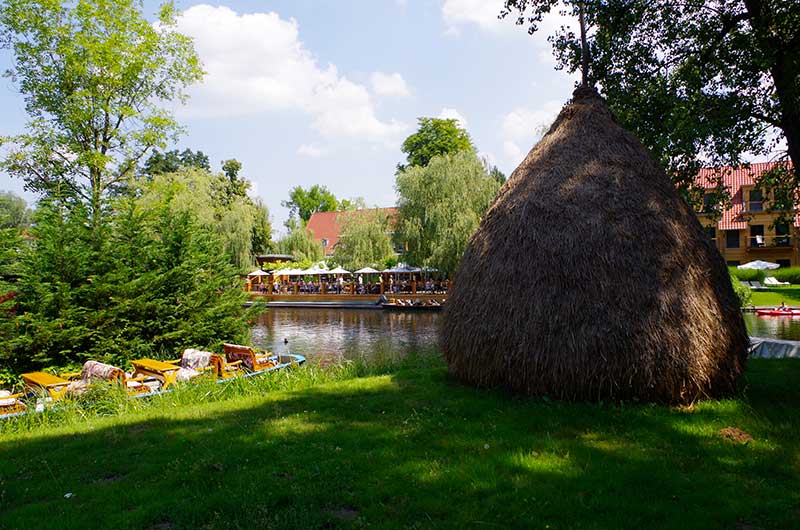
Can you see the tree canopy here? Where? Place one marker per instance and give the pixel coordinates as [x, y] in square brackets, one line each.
[699, 82]
[14, 211]
[300, 243]
[440, 206]
[364, 239]
[170, 161]
[434, 137]
[303, 203]
[93, 74]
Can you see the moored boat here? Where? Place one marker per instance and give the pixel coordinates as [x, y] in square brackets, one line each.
[778, 312]
[276, 362]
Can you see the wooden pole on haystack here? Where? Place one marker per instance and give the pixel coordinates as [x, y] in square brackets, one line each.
[584, 48]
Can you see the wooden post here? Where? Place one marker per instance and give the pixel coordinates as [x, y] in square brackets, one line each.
[294, 287]
[414, 286]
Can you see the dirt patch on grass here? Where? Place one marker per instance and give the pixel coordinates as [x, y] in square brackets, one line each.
[735, 434]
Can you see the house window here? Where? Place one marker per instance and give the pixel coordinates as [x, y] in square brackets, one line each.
[731, 239]
[757, 236]
[756, 201]
[733, 263]
[784, 263]
[782, 237]
[711, 232]
[324, 243]
[710, 203]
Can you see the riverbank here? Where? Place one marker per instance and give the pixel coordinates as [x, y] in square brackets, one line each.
[408, 448]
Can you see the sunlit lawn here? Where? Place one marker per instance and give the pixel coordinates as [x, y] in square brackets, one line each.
[775, 295]
[412, 449]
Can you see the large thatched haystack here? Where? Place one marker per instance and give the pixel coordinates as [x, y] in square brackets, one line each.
[590, 278]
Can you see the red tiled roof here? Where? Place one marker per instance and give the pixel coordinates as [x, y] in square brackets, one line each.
[734, 179]
[328, 225]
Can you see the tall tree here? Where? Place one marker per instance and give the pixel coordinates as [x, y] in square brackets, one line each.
[698, 82]
[299, 242]
[171, 161]
[440, 206]
[92, 73]
[14, 211]
[434, 137]
[303, 203]
[364, 239]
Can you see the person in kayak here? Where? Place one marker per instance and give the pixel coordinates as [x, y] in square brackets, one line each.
[783, 306]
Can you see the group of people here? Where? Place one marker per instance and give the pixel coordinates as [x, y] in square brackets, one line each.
[338, 285]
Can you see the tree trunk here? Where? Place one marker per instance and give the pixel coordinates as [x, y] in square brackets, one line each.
[785, 72]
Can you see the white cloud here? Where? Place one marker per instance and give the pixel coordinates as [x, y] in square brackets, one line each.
[257, 63]
[522, 127]
[311, 151]
[453, 114]
[389, 84]
[484, 14]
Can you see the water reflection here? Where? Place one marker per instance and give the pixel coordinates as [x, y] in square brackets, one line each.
[787, 328]
[333, 335]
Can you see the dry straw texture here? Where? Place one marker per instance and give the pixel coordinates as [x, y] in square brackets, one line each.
[590, 278]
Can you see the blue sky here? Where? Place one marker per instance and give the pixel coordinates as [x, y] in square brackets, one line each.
[324, 92]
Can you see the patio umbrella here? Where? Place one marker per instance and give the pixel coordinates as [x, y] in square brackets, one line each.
[367, 270]
[259, 272]
[759, 265]
[337, 270]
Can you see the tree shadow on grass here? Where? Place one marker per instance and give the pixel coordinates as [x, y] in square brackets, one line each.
[415, 450]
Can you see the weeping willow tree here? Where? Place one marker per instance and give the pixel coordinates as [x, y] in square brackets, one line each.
[299, 242]
[242, 224]
[440, 207]
[364, 239]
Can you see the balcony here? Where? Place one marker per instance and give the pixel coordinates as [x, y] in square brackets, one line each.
[769, 242]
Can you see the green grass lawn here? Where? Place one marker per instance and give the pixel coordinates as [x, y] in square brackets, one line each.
[409, 449]
[775, 295]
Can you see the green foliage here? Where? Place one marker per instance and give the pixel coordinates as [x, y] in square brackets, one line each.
[787, 274]
[162, 283]
[92, 74]
[261, 238]
[440, 206]
[14, 211]
[302, 203]
[697, 82]
[747, 275]
[299, 243]
[434, 137]
[364, 240]
[498, 175]
[743, 293]
[171, 161]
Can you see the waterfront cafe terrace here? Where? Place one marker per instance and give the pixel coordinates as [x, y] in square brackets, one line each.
[320, 280]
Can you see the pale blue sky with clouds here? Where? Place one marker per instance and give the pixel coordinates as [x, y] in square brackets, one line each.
[307, 92]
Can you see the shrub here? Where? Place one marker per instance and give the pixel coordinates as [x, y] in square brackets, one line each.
[789, 274]
[743, 292]
[746, 275]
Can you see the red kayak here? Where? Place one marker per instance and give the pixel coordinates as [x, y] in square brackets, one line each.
[778, 312]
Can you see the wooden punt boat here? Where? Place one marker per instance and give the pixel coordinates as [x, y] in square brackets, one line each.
[282, 361]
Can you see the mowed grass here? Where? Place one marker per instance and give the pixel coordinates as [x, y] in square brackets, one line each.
[775, 295]
[410, 449]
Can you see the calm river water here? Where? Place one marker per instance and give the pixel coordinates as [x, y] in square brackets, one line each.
[333, 335]
[787, 328]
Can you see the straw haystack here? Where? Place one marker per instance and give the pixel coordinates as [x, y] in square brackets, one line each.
[590, 278]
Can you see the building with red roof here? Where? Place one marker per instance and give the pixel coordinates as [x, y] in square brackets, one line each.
[325, 227]
[748, 230]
